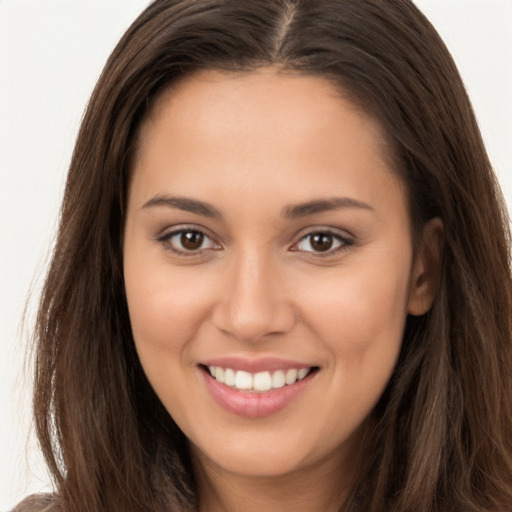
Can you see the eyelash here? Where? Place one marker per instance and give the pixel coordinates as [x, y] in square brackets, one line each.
[165, 240]
[344, 242]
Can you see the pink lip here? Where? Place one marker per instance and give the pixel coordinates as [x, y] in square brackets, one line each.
[264, 364]
[254, 404]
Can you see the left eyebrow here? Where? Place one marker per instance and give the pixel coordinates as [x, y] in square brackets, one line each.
[323, 205]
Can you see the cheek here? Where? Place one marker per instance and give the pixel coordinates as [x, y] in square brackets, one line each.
[165, 306]
[360, 315]
[360, 322]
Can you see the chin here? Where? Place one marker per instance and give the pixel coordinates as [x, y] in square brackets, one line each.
[277, 455]
[252, 462]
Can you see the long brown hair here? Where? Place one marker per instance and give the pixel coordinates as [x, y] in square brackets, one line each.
[443, 435]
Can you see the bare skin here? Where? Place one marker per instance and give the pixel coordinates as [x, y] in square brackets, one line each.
[266, 226]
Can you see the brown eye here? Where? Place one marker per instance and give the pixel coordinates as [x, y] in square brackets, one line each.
[321, 242]
[324, 242]
[187, 241]
[191, 240]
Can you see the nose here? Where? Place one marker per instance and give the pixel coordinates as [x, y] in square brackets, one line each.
[254, 300]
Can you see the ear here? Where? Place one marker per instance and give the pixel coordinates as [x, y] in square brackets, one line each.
[426, 270]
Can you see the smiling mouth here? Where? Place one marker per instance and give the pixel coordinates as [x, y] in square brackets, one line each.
[258, 382]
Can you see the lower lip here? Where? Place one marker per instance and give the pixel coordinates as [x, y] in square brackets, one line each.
[255, 404]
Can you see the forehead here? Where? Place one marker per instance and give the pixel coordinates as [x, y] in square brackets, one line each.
[261, 94]
[258, 131]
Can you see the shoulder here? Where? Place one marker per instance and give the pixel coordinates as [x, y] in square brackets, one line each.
[38, 503]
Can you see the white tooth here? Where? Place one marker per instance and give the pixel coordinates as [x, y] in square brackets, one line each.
[302, 373]
[212, 370]
[229, 377]
[219, 374]
[243, 380]
[262, 381]
[278, 379]
[291, 376]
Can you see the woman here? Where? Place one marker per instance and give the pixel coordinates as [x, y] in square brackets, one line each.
[282, 273]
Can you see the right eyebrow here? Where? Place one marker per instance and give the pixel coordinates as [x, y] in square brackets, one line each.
[323, 205]
[186, 204]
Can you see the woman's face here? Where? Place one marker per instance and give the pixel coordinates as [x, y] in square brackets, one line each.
[268, 242]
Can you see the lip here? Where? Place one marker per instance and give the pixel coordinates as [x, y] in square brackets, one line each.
[254, 404]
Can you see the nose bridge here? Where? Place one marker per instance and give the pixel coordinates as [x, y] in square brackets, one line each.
[254, 302]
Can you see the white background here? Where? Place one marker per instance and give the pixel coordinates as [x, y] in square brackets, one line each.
[51, 53]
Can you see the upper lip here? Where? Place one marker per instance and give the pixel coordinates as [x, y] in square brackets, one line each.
[262, 364]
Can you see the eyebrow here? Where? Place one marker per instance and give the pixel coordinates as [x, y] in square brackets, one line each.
[323, 205]
[186, 204]
[290, 212]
